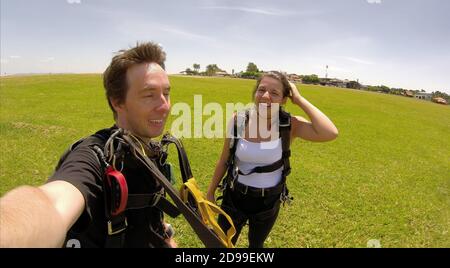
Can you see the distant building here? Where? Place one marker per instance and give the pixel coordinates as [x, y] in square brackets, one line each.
[408, 93]
[295, 78]
[440, 100]
[423, 96]
[221, 73]
[333, 82]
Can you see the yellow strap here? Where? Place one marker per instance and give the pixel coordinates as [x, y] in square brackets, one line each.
[208, 211]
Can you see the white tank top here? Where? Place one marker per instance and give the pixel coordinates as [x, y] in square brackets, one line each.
[251, 154]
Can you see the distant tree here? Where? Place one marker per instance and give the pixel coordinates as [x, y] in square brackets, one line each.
[250, 75]
[252, 68]
[385, 89]
[212, 69]
[189, 71]
[196, 67]
[311, 79]
[397, 91]
[354, 85]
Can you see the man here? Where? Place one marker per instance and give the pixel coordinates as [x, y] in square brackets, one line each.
[69, 210]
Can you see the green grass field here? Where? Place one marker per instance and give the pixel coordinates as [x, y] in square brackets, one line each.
[386, 177]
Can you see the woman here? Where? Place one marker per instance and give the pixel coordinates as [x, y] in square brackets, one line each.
[254, 194]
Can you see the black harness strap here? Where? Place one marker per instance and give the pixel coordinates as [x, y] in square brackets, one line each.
[185, 168]
[264, 169]
[258, 192]
[140, 201]
[117, 224]
[285, 135]
[116, 231]
[206, 235]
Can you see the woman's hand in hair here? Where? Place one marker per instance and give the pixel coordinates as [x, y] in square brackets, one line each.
[295, 94]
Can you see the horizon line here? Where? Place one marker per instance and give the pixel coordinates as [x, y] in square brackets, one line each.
[179, 73]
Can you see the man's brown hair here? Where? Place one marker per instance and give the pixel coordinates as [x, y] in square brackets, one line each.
[115, 76]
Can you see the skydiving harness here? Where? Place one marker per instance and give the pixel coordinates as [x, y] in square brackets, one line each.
[194, 198]
[230, 181]
[199, 212]
[116, 196]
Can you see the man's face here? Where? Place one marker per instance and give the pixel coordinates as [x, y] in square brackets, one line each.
[147, 104]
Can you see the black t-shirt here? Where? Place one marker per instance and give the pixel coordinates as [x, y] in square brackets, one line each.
[82, 168]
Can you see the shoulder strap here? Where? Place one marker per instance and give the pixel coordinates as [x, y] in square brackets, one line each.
[99, 138]
[285, 135]
[237, 131]
[234, 140]
[185, 168]
[206, 235]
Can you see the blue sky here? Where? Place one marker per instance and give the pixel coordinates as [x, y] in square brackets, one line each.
[398, 43]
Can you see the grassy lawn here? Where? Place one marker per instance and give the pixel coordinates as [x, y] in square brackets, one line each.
[386, 177]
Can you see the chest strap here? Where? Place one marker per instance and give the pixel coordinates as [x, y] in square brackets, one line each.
[264, 169]
[206, 235]
[285, 135]
[140, 201]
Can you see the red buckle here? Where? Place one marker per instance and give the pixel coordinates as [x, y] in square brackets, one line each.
[118, 189]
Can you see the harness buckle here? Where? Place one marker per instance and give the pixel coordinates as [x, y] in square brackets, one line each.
[233, 178]
[231, 185]
[156, 197]
[121, 229]
[285, 197]
[246, 189]
[287, 124]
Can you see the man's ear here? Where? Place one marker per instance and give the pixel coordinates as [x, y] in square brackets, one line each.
[117, 104]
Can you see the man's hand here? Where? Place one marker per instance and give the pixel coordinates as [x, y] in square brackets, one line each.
[171, 242]
[169, 230]
[295, 94]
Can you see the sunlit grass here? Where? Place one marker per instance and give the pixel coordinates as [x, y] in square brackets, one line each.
[386, 177]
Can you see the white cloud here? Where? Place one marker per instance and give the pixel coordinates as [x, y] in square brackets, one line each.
[48, 59]
[374, 1]
[248, 10]
[356, 60]
[74, 1]
[332, 70]
[138, 28]
[15, 57]
[184, 33]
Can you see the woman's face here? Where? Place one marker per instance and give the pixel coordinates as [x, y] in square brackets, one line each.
[269, 91]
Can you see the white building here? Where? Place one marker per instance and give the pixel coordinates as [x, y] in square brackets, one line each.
[423, 96]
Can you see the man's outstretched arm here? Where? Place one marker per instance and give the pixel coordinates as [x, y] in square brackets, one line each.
[39, 216]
